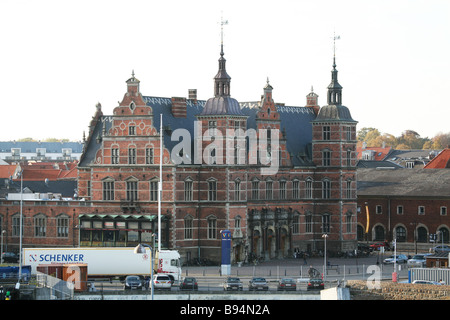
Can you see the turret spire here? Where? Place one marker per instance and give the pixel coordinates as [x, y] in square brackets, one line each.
[334, 89]
[222, 79]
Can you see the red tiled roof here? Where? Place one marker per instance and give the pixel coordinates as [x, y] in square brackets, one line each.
[41, 171]
[441, 161]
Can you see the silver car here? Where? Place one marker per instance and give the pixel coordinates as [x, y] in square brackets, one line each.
[400, 258]
[258, 283]
[418, 260]
[162, 282]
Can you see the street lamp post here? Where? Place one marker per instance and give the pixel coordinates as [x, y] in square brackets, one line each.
[325, 236]
[1, 252]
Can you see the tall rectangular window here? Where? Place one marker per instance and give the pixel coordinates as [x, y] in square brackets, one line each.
[115, 156]
[188, 228]
[349, 158]
[326, 133]
[212, 190]
[40, 225]
[326, 223]
[62, 227]
[326, 189]
[132, 156]
[237, 190]
[149, 156]
[308, 189]
[132, 190]
[255, 190]
[15, 226]
[308, 223]
[269, 190]
[348, 223]
[296, 225]
[326, 158]
[282, 190]
[154, 190]
[188, 190]
[296, 189]
[212, 228]
[348, 189]
[88, 188]
[349, 133]
[108, 190]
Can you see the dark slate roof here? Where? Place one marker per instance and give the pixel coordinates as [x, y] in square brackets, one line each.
[30, 147]
[65, 187]
[221, 106]
[334, 113]
[377, 164]
[403, 182]
[295, 121]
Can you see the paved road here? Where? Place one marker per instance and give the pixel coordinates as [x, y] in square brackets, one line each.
[210, 279]
[342, 268]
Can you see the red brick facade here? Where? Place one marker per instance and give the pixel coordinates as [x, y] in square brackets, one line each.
[268, 215]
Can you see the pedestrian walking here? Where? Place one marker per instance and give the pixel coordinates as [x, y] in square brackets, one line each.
[304, 259]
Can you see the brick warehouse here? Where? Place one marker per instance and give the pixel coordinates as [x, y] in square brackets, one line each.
[207, 189]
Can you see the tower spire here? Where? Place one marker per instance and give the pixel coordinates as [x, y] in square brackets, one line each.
[222, 79]
[334, 89]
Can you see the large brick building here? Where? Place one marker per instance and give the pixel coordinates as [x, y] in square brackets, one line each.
[404, 204]
[278, 177]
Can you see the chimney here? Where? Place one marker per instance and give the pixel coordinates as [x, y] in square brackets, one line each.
[193, 95]
[312, 101]
[179, 107]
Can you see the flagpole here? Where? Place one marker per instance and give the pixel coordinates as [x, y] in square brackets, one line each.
[20, 230]
[160, 181]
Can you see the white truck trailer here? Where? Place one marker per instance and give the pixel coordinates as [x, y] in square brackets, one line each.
[107, 262]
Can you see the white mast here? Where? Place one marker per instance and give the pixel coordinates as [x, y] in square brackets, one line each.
[160, 181]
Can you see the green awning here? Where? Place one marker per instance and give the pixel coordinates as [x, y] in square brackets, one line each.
[118, 216]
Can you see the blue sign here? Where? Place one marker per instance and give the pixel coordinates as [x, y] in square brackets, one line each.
[226, 247]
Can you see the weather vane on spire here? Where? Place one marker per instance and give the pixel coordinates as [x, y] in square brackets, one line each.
[335, 37]
[222, 23]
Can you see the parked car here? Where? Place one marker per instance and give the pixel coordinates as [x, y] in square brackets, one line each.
[232, 283]
[315, 284]
[258, 283]
[400, 258]
[10, 257]
[418, 260]
[378, 245]
[426, 282]
[189, 283]
[287, 284]
[441, 248]
[133, 282]
[161, 281]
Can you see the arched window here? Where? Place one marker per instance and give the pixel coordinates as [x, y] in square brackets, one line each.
[379, 233]
[400, 234]
[422, 234]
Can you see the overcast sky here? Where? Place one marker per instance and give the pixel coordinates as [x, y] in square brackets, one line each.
[58, 59]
